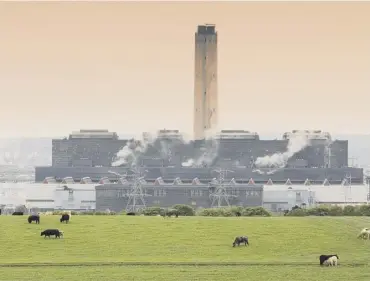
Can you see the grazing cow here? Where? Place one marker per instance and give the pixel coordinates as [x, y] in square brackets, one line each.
[17, 214]
[241, 239]
[51, 232]
[35, 218]
[238, 214]
[130, 214]
[330, 260]
[364, 234]
[65, 217]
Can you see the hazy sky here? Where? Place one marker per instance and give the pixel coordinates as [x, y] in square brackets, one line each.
[128, 67]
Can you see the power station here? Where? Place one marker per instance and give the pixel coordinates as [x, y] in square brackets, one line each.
[183, 172]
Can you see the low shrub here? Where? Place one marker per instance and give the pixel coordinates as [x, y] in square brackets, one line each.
[231, 212]
[361, 210]
[152, 211]
[184, 210]
[297, 213]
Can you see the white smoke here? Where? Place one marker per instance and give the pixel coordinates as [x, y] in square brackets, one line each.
[130, 153]
[166, 151]
[188, 163]
[208, 153]
[279, 160]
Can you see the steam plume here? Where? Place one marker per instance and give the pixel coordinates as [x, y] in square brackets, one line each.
[279, 160]
[133, 149]
[208, 154]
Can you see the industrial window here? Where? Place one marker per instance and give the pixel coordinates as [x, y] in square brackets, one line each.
[235, 192]
[160, 192]
[196, 193]
[251, 193]
[121, 193]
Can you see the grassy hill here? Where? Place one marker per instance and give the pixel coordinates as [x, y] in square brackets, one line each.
[280, 247]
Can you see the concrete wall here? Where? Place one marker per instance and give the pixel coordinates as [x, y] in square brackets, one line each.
[285, 197]
[75, 199]
[279, 200]
[49, 196]
[115, 197]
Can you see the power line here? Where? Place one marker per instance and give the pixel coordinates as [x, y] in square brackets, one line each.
[136, 194]
[220, 195]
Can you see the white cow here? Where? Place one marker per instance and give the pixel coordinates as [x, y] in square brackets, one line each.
[364, 234]
[332, 261]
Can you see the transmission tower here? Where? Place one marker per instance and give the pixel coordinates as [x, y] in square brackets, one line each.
[220, 195]
[136, 195]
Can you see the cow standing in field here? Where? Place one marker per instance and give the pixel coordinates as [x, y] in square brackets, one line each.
[51, 232]
[17, 214]
[241, 239]
[35, 218]
[329, 260]
[364, 234]
[65, 217]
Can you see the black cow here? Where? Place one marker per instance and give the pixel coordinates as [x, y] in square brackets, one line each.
[51, 232]
[130, 214]
[238, 214]
[241, 239]
[17, 214]
[35, 218]
[65, 217]
[323, 258]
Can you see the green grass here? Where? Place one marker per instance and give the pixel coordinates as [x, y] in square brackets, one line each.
[290, 242]
[253, 273]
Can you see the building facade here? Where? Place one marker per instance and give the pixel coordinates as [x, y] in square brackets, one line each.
[48, 197]
[278, 198]
[116, 196]
[86, 148]
[205, 81]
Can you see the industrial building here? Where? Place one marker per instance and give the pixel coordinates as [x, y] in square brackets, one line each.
[48, 197]
[92, 153]
[123, 195]
[277, 198]
[120, 196]
[86, 148]
[234, 150]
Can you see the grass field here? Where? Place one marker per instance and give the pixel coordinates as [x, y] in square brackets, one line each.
[100, 246]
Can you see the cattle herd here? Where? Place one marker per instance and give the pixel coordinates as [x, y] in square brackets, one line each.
[47, 232]
[328, 260]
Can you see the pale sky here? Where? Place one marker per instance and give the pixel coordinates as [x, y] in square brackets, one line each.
[128, 67]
